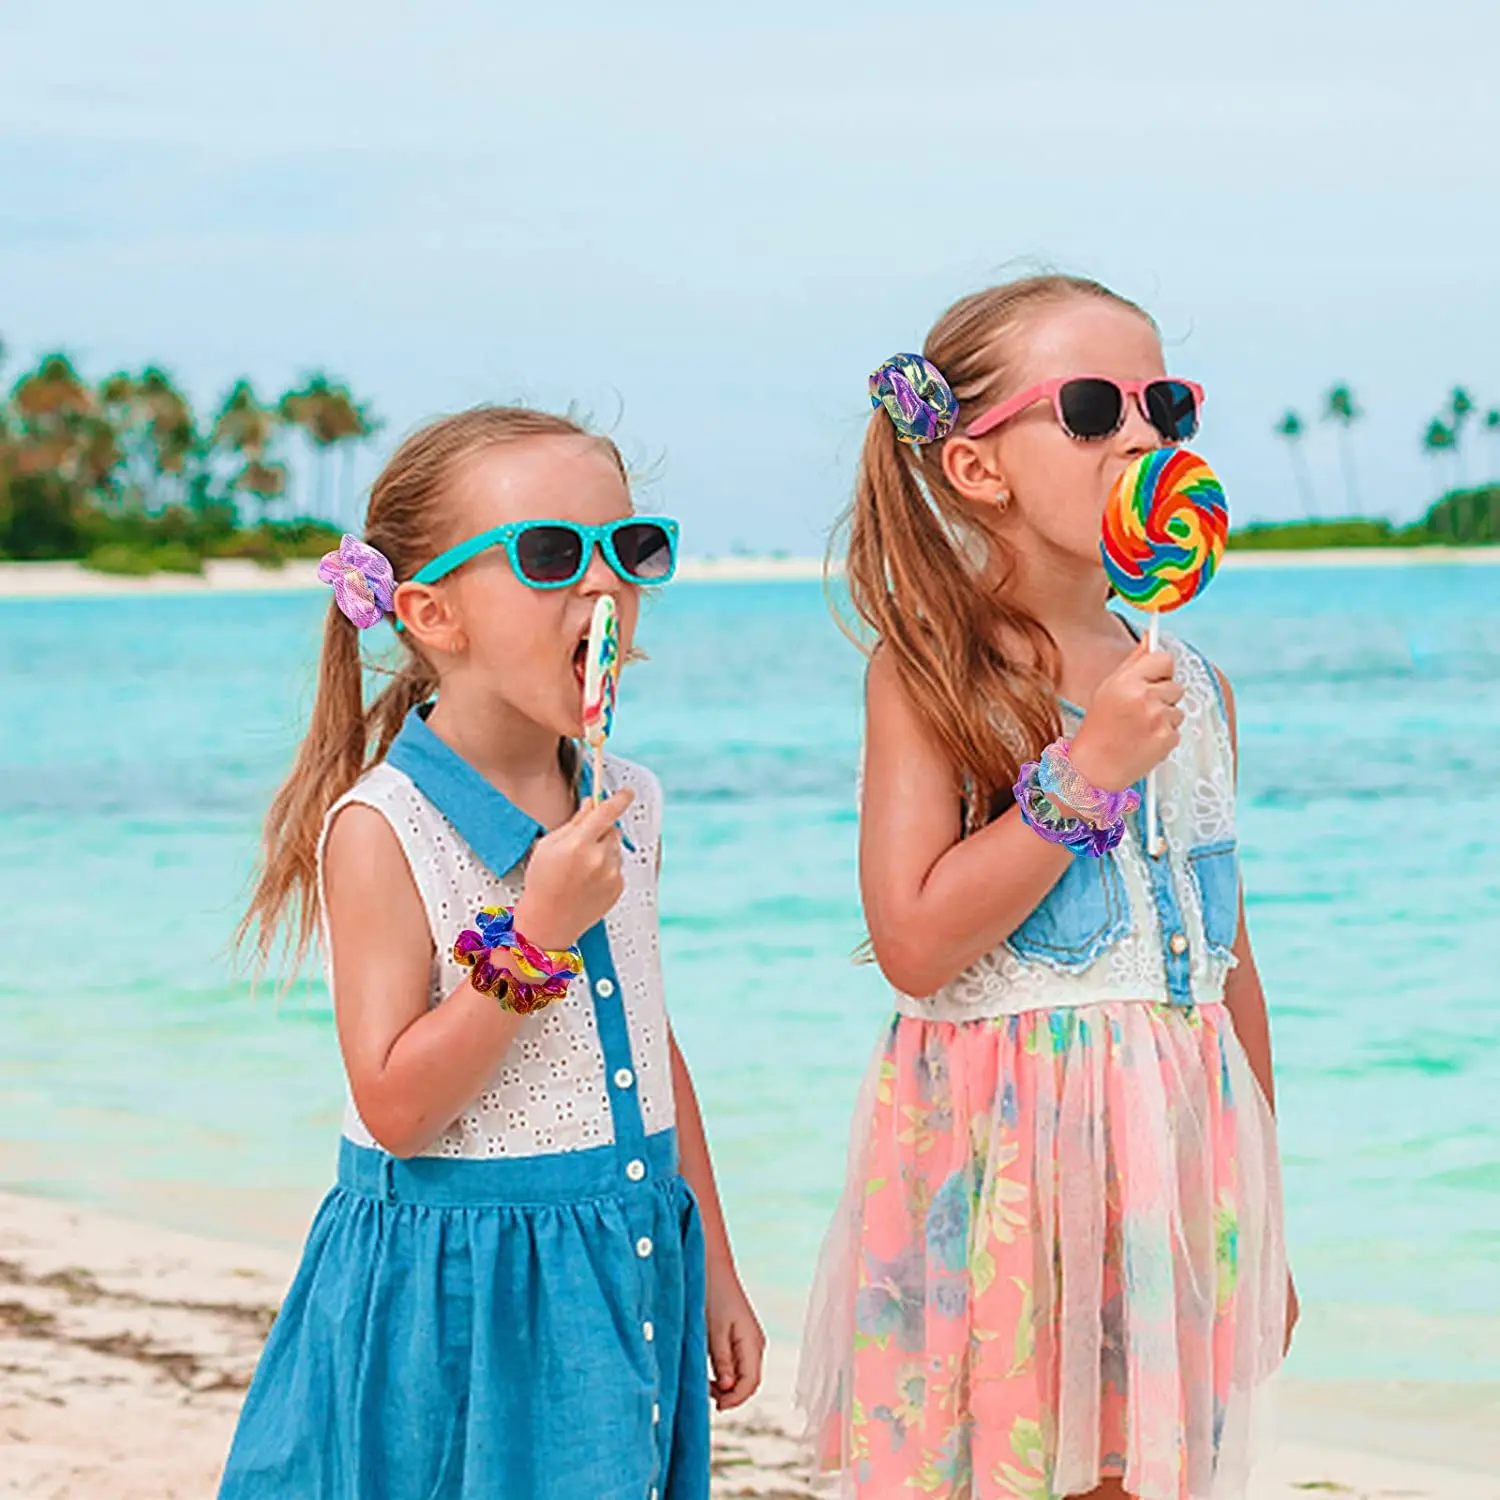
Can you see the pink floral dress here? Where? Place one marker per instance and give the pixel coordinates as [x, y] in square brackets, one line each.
[1059, 1254]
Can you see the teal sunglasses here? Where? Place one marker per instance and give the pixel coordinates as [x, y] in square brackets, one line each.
[556, 554]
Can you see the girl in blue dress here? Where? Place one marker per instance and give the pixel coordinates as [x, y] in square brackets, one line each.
[521, 1281]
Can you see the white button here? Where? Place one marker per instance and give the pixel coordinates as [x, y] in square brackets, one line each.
[605, 988]
[649, 1330]
[624, 1078]
[655, 1414]
[1178, 944]
[643, 1247]
[636, 1170]
[653, 1495]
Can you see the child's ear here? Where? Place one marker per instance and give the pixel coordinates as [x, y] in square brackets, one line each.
[426, 614]
[970, 468]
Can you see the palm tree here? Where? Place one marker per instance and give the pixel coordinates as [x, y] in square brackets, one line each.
[1341, 407]
[7, 455]
[52, 405]
[157, 435]
[333, 421]
[1439, 438]
[174, 433]
[1460, 409]
[52, 469]
[266, 481]
[246, 429]
[1292, 429]
[1492, 426]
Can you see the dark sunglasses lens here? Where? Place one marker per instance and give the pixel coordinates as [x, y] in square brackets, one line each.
[549, 554]
[1173, 409]
[1091, 408]
[644, 550]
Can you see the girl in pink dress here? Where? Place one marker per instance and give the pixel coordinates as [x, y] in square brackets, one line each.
[1058, 1267]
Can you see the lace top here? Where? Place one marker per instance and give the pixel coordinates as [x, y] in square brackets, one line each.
[1129, 926]
[549, 1093]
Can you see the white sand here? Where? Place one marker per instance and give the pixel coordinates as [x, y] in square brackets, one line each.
[68, 580]
[125, 1351]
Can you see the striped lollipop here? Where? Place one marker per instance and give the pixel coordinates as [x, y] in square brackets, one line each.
[601, 679]
[1165, 525]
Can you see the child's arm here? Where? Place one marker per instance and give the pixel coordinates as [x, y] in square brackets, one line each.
[412, 1069]
[936, 902]
[736, 1343]
[1245, 1000]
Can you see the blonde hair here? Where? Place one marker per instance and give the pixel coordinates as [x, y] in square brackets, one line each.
[928, 575]
[346, 735]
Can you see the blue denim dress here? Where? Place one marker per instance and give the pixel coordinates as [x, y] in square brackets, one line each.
[525, 1326]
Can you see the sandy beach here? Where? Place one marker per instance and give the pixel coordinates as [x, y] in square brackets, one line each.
[60, 580]
[125, 1351]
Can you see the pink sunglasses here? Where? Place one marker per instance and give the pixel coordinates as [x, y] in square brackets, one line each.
[1091, 407]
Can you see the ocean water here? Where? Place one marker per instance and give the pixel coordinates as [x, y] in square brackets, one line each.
[141, 738]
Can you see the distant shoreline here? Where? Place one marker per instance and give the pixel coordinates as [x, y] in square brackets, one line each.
[66, 580]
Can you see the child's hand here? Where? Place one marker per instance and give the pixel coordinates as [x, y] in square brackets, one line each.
[1293, 1312]
[1133, 724]
[736, 1342]
[574, 877]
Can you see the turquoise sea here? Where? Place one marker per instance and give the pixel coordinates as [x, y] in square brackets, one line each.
[141, 739]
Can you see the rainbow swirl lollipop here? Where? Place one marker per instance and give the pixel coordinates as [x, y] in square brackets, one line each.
[1165, 525]
[601, 677]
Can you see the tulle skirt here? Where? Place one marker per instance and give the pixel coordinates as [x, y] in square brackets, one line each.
[1059, 1257]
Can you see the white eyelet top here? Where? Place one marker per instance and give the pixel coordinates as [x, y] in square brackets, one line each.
[550, 1093]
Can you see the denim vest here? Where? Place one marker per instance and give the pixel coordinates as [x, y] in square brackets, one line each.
[1130, 926]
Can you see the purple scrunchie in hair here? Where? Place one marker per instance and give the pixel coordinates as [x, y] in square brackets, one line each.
[364, 583]
[919, 402]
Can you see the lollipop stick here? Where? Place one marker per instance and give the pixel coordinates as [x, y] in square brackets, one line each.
[598, 778]
[1153, 833]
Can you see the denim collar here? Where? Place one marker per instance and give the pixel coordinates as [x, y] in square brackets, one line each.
[486, 819]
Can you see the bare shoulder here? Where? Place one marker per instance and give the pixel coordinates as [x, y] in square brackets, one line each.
[899, 741]
[887, 702]
[362, 853]
[361, 833]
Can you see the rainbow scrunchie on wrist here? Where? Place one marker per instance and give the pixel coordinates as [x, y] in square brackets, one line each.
[537, 976]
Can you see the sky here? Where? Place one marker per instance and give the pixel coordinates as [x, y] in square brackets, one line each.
[705, 226]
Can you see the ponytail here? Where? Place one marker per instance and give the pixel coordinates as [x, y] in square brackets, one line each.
[928, 573]
[344, 739]
[928, 580]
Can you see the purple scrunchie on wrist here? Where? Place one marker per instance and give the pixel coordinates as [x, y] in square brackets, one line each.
[363, 581]
[919, 402]
[1043, 816]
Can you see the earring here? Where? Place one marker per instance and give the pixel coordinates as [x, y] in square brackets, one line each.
[1002, 499]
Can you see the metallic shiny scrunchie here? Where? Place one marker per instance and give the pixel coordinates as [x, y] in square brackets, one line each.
[919, 402]
[540, 976]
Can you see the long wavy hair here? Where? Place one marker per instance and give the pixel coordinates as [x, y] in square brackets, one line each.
[408, 521]
[928, 571]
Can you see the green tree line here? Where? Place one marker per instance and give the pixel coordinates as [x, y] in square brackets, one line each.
[1463, 515]
[125, 474]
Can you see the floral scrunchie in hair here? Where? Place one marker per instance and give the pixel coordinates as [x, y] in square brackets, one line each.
[363, 581]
